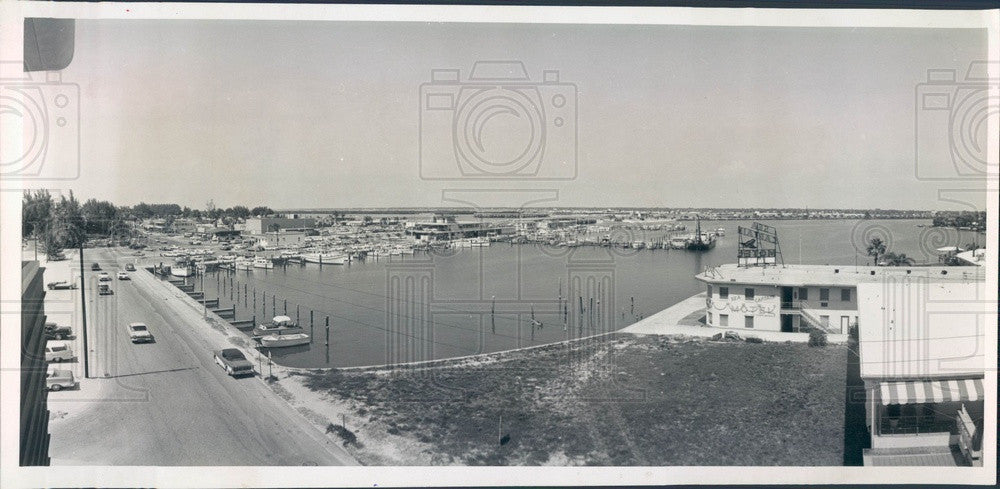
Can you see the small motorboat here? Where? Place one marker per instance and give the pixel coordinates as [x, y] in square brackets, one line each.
[280, 325]
[280, 340]
[261, 262]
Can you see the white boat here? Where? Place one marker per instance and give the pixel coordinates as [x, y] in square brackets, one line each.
[280, 340]
[479, 242]
[243, 264]
[325, 258]
[679, 242]
[279, 325]
[720, 232]
[182, 271]
[463, 243]
[261, 262]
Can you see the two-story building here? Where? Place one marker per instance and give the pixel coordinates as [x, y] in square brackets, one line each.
[794, 298]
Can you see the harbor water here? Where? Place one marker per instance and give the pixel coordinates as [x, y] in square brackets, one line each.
[465, 301]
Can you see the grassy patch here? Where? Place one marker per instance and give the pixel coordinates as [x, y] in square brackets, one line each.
[618, 400]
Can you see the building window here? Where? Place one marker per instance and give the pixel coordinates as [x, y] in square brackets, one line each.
[748, 321]
[803, 294]
[825, 321]
[824, 294]
[723, 292]
[709, 290]
[724, 320]
[709, 317]
[748, 292]
[845, 295]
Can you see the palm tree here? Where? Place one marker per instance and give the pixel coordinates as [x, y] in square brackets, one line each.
[897, 259]
[876, 248]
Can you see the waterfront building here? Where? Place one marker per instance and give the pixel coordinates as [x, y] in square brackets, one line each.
[261, 225]
[446, 228]
[922, 346]
[799, 298]
[34, 438]
[282, 239]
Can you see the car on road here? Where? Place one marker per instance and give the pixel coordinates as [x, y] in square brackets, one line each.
[129, 267]
[104, 277]
[57, 257]
[58, 351]
[123, 276]
[139, 333]
[59, 379]
[61, 285]
[103, 289]
[95, 266]
[55, 332]
[234, 362]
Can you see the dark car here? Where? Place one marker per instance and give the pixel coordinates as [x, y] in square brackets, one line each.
[234, 362]
[103, 289]
[55, 332]
[96, 266]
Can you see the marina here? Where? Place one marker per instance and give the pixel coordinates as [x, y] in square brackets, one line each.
[507, 295]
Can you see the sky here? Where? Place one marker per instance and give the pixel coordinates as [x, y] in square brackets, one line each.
[331, 114]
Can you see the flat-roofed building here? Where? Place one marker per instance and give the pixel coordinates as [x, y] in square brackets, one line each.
[261, 225]
[922, 346]
[794, 298]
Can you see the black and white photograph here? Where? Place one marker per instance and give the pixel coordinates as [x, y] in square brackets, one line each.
[346, 245]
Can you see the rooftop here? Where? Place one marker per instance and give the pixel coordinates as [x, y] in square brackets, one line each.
[832, 275]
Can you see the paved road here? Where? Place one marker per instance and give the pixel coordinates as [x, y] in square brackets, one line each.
[168, 403]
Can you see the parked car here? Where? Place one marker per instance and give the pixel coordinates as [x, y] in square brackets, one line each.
[57, 257]
[59, 379]
[61, 285]
[103, 289]
[55, 332]
[95, 266]
[139, 333]
[123, 276]
[129, 267]
[58, 352]
[104, 277]
[234, 362]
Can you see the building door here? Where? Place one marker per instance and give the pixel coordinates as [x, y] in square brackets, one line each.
[845, 324]
[786, 323]
[786, 297]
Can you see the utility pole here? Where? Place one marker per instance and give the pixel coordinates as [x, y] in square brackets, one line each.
[83, 309]
[204, 299]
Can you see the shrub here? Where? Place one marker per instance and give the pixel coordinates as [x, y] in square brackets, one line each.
[345, 434]
[817, 338]
[754, 339]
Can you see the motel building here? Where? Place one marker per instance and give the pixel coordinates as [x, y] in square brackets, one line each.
[922, 346]
[921, 343]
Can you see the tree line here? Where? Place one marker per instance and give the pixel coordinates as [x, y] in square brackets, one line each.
[60, 223]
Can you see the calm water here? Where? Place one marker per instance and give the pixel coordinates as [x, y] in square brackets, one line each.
[476, 300]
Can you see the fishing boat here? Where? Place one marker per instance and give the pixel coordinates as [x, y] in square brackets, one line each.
[281, 340]
[679, 242]
[261, 262]
[325, 258]
[701, 242]
[279, 325]
[243, 264]
[720, 232]
[479, 242]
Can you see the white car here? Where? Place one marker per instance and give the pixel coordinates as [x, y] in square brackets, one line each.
[123, 276]
[139, 333]
[59, 379]
[57, 351]
[104, 277]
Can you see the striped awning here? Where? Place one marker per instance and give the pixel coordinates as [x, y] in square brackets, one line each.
[921, 391]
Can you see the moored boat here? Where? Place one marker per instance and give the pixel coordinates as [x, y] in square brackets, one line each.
[279, 325]
[261, 262]
[325, 258]
[281, 340]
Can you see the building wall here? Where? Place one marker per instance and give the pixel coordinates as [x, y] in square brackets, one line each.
[261, 225]
[834, 307]
[278, 240]
[34, 440]
[732, 311]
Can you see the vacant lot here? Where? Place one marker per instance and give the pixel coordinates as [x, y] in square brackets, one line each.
[620, 400]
